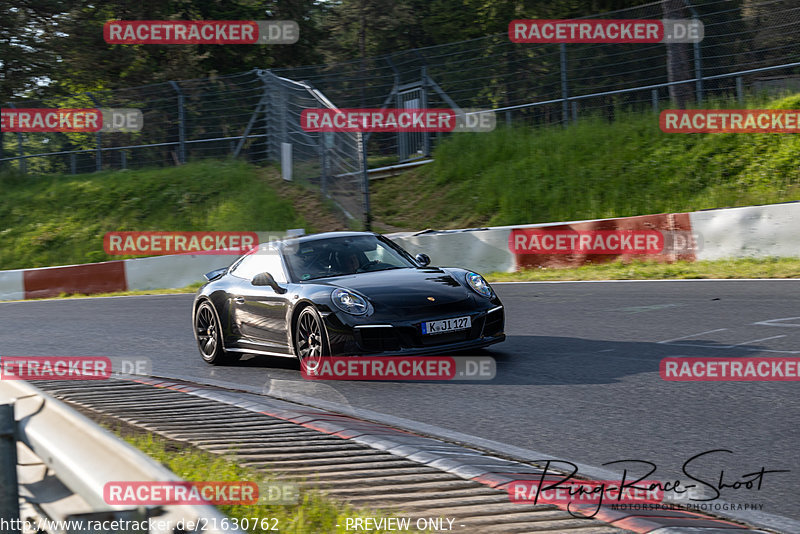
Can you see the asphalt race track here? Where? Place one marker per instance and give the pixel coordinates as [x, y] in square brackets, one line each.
[577, 379]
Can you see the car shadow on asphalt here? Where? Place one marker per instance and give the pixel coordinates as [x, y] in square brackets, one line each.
[549, 360]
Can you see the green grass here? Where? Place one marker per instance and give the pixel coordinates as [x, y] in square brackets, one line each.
[191, 288]
[591, 169]
[61, 219]
[651, 270]
[313, 513]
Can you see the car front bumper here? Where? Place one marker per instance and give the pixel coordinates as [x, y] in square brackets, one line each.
[348, 337]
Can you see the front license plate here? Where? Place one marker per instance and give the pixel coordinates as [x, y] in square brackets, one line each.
[446, 325]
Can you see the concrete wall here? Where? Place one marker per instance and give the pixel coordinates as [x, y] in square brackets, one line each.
[754, 231]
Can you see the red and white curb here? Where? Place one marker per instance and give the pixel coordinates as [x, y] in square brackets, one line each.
[469, 464]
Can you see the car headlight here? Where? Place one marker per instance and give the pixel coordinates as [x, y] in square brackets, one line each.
[349, 302]
[479, 285]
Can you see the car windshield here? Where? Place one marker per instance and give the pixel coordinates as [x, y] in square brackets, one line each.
[339, 256]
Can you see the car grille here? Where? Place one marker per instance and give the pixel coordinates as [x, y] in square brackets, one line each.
[377, 339]
[389, 338]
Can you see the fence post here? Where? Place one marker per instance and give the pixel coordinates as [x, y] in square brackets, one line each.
[98, 154]
[698, 73]
[562, 49]
[72, 164]
[654, 99]
[23, 166]
[284, 117]
[698, 67]
[739, 90]
[9, 485]
[323, 179]
[123, 156]
[426, 136]
[363, 138]
[181, 124]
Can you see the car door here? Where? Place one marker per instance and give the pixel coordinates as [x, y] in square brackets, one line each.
[259, 312]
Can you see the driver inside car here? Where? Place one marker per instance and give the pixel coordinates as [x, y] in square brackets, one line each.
[348, 261]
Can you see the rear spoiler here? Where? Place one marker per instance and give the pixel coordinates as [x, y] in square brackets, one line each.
[213, 275]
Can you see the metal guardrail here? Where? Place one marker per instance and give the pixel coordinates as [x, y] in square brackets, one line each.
[83, 457]
[385, 172]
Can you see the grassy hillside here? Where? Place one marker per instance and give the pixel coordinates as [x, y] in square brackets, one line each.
[56, 220]
[591, 169]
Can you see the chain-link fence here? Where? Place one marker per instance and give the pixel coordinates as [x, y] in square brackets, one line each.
[748, 47]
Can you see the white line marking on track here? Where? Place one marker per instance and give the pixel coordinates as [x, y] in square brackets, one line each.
[755, 341]
[690, 335]
[774, 322]
[751, 349]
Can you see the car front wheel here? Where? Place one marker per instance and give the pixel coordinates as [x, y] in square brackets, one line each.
[310, 340]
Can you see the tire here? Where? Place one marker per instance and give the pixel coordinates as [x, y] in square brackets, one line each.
[209, 336]
[310, 340]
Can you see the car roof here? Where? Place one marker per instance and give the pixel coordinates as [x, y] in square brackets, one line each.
[316, 237]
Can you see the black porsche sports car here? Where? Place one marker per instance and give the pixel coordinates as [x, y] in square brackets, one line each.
[342, 293]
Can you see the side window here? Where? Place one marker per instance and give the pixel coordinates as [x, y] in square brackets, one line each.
[263, 261]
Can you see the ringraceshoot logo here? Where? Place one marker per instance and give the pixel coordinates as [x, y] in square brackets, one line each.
[201, 32]
[39, 120]
[606, 31]
[162, 243]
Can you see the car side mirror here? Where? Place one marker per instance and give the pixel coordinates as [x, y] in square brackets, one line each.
[266, 279]
[422, 259]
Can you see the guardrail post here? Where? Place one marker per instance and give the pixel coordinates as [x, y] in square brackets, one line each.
[562, 49]
[181, 124]
[23, 167]
[9, 485]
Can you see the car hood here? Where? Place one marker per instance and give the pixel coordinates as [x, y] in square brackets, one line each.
[404, 288]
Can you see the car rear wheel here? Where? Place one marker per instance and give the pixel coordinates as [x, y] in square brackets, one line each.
[310, 340]
[208, 333]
